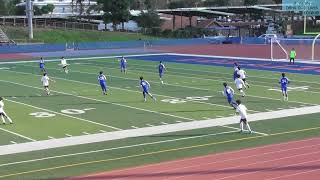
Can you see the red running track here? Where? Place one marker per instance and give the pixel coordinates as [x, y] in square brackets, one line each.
[242, 50]
[286, 161]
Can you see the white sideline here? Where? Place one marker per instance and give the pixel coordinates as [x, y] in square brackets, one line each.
[83, 58]
[304, 61]
[147, 131]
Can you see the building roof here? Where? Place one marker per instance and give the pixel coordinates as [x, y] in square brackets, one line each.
[222, 11]
[194, 12]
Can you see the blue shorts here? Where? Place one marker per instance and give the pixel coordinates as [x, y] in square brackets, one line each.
[230, 100]
[145, 90]
[161, 74]
[103, 86]
[42, 66]
[284, 88]
[123, 66]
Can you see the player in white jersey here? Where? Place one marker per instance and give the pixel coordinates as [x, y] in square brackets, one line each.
[45, 82]
[243, 75]
[3, 114]
[240, 85]
[242, 110]
[64, 64]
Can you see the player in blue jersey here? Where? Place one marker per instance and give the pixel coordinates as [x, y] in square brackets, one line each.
[145, 87]
[284, 81]
[42, 65]
[103, 82]
[161, 69]
[123, 65]
[229, 93]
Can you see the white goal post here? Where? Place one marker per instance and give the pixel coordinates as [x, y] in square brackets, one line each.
[313, 45]
[276, 41]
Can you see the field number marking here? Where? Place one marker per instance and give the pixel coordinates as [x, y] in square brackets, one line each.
[298, 88]
[65, 111]
[42, 114]
[178, 101]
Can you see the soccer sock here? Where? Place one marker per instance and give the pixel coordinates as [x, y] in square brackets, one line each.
[242, 93]
[9, 119]
[3, 121]
[48, 91]
[248, 127]
[241, 126]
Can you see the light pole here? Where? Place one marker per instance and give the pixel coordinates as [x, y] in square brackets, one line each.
[29, 14]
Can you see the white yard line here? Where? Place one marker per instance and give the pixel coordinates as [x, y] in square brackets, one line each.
[83, 58]
[200, 102]
[193, 76]
[17, 134]
[248, 95]
[62, 114]
[148, 131]
[116, 148]
[98, 100]
[212, 72]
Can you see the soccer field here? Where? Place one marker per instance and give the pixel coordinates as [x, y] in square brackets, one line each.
[192, 93]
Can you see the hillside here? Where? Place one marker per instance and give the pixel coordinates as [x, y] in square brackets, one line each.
[19, 34]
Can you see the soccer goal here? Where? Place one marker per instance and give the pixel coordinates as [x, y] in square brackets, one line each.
[275, 46]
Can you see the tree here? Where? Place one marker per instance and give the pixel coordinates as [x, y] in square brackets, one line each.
[47, 9]
[3, 7]
[11, 6]
[278, 1]
[184, 4]
[148, 4]
[116, 11]
[50, 8]
[76, 3]
[216, 3]
[149, 19]
[176, 4]
[250, 2]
